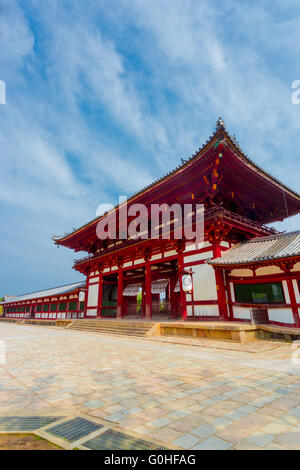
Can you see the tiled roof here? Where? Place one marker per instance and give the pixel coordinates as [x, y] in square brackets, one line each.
[277, 246]
[45, 293]
[220, 126]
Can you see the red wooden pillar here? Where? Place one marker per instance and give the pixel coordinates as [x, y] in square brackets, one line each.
[100, 295]
[183, 307]
[120, 293]
[217, 252]
[173, 305]
[222, 302]
[293, 302]
[229, 295]
[148, 294]
[143, 300]
[220, 285]
[87, 274]
[148, 282]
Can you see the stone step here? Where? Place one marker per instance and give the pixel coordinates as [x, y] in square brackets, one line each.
[116, 333]
[112, 332]
[142, 331]
[137, 329]
[134, 328]
[113, 324]
[121, 325]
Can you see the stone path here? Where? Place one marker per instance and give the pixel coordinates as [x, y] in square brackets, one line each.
[216, 395]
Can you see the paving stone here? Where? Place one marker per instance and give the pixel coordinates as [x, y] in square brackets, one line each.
[178, 414]
[289, 439]
[159, 422]
[233, 433]
[115, 417]
[246, 445]
[94, 404]
[221, 422]
[137, 383]
[275, 428]
[213, 443]
[203, 431]
[260, 440]
[187, 441]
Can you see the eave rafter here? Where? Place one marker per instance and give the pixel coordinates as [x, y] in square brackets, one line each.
[181, 183]
[285, 264]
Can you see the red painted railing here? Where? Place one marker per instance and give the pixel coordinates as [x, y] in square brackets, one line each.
[209, 214]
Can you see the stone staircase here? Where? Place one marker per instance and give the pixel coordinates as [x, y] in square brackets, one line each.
[112, 327]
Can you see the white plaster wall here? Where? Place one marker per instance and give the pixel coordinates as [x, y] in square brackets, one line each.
[204, 282]
[267, 270]
[242, 312]
[241, 272]
[170, 253]
[206, 310]
[286, 292]
[204, 245]
[92, 312]
[158, 256]
[296, 267]
[283, 315]
[93, 295]
[232, 292]
[296, 290]
[197, 257]
[189, 310]
[190, 247]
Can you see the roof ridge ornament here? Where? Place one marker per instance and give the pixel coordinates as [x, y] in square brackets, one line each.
[220, 124]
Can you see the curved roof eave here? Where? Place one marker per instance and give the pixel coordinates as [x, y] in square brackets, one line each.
[220, 129]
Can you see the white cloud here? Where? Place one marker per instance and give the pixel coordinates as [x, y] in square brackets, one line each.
[103, 100]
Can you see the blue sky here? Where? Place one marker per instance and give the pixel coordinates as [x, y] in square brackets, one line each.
[104, 97]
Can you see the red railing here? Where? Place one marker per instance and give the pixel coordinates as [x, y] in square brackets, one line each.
[209, 214]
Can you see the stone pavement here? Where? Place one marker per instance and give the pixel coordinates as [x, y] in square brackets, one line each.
[198, 394]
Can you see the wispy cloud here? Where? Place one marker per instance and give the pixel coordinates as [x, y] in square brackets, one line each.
[102, 100]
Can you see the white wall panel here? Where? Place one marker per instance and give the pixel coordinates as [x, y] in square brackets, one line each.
[206, 310]
[241, 272]
[197, 257]
[158, 256]
[242, 312]
[232, 291]
[296, 290]
[282, 315]
[286, 292]
[296, 267]
[92, 312]
[268, 270]
[204, 283]
[93, 295]
[170, 253]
